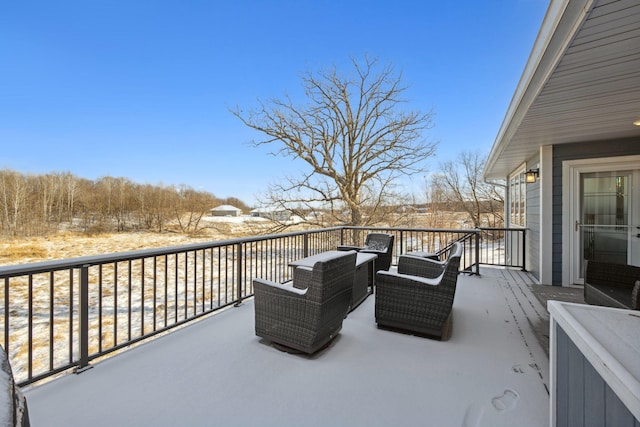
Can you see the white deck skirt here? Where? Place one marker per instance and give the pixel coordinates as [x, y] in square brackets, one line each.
[492, 372]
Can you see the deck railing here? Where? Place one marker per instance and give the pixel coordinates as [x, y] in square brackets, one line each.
[503, 247]
[433, 240]
[61, 315]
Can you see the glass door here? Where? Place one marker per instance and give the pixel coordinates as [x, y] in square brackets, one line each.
[601, 220]
[605, 224]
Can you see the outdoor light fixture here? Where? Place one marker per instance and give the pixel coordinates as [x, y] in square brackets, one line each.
[531, 175]
[637, 122]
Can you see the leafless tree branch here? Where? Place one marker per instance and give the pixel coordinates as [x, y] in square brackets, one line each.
[351, 133]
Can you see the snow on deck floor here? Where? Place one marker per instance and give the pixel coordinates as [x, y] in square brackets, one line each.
[492, 372]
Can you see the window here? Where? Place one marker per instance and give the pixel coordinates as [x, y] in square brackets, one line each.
[517, 198]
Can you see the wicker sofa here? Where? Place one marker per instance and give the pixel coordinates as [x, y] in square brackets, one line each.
[418, 297]
[612, 285]
[305, 315]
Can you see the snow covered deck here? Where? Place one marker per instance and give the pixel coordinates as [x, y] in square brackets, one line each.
[492, 372]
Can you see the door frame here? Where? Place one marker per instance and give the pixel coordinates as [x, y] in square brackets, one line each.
[571, 170]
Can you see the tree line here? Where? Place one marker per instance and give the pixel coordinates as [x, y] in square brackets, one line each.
[41, 204]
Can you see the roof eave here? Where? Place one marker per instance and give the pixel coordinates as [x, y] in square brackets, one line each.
[560, 25]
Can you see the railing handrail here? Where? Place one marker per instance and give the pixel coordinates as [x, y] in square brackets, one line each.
[435, 230]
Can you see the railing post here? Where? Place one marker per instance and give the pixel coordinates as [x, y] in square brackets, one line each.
[305, 244]
[524, 249]
[6, 315]
[477, 242]
[239, 278]
[83, 339]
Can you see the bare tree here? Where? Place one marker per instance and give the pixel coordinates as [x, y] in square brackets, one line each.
[437, 206]
[462, 187]
[191, 206]
[154, 206]
[15, 193]
[352, 136]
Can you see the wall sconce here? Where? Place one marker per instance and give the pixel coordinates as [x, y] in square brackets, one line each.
[531, 176]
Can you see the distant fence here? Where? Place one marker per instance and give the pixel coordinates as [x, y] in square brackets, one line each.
[60, 315]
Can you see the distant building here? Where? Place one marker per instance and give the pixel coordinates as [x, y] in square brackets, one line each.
[225, 210]
[274, 214]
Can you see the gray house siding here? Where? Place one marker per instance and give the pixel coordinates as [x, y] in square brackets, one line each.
[583, 399]
[579, 151]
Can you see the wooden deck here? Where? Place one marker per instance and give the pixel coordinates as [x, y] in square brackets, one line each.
[492, 372]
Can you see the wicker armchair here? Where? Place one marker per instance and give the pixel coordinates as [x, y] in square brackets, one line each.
[612, 285]
[305, 316]
[418, 304]
[380, 244]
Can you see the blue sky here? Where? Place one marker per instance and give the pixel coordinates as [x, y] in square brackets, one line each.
[142, 89]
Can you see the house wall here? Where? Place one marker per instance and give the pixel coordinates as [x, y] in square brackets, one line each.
[578, 151]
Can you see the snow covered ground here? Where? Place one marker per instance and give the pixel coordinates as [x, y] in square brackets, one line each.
[492, 372]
